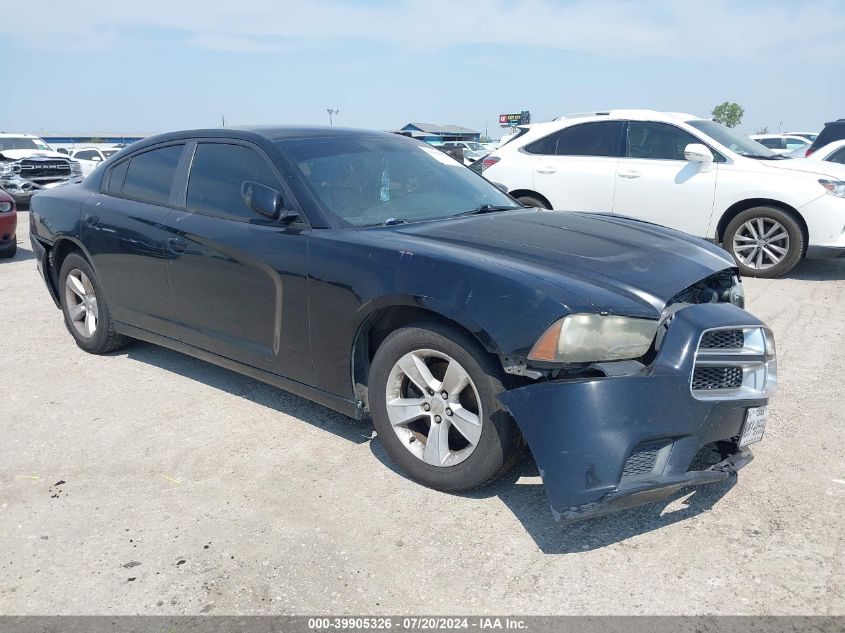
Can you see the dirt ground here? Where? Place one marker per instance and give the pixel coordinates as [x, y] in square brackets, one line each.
[147, 482]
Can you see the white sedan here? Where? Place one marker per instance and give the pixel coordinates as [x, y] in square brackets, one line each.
[683, 172]
[832, 152]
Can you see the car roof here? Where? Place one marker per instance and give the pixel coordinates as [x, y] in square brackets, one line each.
[632, 113]
[15, 135]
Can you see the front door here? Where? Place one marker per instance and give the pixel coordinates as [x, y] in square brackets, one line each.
[239, 280]
[654, 181]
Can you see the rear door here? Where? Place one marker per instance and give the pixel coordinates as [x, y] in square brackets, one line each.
[654, 181]
[575, 169]
[238, 279]
[122, 228]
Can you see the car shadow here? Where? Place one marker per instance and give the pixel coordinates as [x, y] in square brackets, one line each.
[22, 255]
[251, 389]
[528, 503]
[818, 270]
[521, 489]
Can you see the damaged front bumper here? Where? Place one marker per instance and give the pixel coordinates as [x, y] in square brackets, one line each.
[607, 443]
[22, 189]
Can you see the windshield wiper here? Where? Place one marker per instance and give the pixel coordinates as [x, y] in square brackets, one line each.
[761, 157]
[488, 208]
[394, 221]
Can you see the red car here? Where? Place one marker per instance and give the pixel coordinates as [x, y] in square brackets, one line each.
[8, 226]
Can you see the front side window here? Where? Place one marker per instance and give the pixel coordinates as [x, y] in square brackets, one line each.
[149, 177]
[370, 180]
[657, 141]
[771, 143]
[218, 173]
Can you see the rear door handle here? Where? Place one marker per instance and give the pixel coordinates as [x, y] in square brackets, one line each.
[91, 219]
[629, 173]
[546, 170]
[177, 245]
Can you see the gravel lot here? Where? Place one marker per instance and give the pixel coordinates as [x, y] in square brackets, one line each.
[148, 482]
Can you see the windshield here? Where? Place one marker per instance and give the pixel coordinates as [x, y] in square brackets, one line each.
[475, 146]
[734, 141]
[370, 180]
[23, 143]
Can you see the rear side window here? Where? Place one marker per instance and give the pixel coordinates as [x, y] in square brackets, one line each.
[603, 138]
[217, 175]
[150, 175]
[657, 141]
[117, 175]
[794, 143]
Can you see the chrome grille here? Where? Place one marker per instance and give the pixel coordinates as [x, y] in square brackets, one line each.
[44, 168]
[734, 363]
[716, 378]
[722, 339]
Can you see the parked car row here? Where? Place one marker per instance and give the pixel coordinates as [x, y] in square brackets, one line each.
[683, 172]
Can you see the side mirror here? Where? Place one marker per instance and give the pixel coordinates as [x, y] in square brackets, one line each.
[265, 201]
[698, 153]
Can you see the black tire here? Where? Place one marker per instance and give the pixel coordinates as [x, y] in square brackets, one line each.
[104, 339]
[795, 249]
[500, 442]
[531, 201]
[9, 251]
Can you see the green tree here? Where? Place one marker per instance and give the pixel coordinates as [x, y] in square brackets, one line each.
[728, 114]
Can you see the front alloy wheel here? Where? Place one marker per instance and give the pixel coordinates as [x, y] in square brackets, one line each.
[764, 241]
[432, 395]
[433, 407]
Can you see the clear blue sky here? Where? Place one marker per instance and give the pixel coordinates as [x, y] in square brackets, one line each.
[171, 64]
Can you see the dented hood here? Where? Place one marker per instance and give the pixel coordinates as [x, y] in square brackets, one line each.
[619, 265]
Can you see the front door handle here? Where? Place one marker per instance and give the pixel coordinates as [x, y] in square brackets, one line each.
[546, 170]
[629, 173]
[91, 219]
[177, 245]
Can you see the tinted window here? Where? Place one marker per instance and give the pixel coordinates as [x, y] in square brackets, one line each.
[116, 177]
[590, 139]
[794, 143]
[657, 141]
[838, 157]
[217, 175]
[150, 175]
[86, 154]
[771, 143]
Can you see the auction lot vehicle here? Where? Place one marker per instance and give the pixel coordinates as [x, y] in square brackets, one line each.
[833, 152]
[781, 143]
[686, 173]
[27, 165]
[833, 131]
[89, 158]
[8, 226]
[373, 274]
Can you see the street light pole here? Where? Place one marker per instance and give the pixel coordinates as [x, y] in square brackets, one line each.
[332, 111]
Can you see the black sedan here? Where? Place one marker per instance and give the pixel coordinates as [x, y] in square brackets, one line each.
[375, 275]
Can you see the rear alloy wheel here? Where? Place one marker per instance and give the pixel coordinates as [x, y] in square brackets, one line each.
[764, 242]
[85, 309]
[432, 396]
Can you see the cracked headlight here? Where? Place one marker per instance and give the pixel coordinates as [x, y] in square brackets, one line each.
[585, 338]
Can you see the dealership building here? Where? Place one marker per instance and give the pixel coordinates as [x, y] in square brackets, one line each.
[431, 133]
